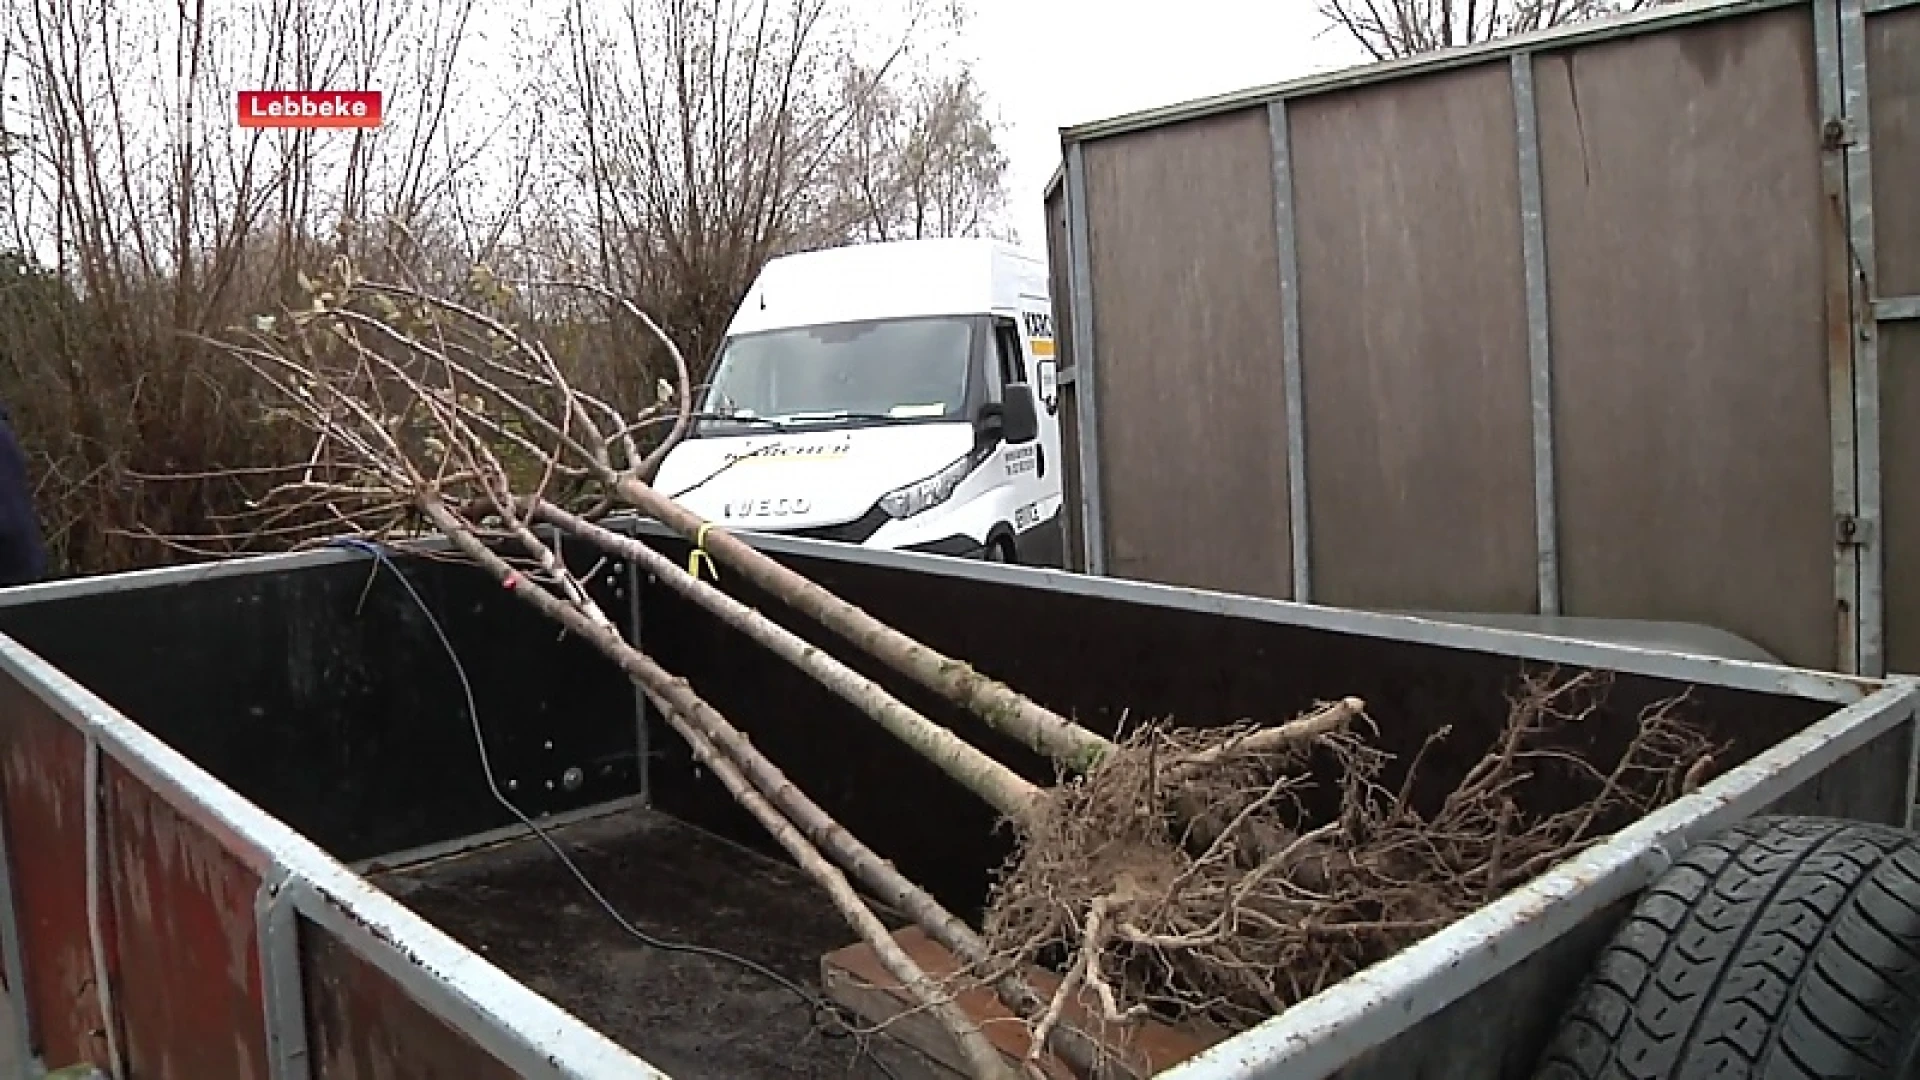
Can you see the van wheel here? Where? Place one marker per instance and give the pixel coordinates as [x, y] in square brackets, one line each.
[1783, 948]
[999, 549]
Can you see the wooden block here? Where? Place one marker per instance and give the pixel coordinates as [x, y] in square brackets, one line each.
[854, 978]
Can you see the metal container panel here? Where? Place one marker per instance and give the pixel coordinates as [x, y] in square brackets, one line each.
[175, 907]
[42, 785]
[1070, 507]
[1893, 79]
[184, 941]
[1418, 424]
[182, 910]
[387, 994]
[362, 1027]
[1900, 475]
[1682, 206]
[1185, 273]
[1059, 266]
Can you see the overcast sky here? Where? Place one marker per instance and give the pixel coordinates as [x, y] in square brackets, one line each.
[1048, 64]
[1044, 64]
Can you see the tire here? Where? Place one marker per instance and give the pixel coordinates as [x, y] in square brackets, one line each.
[999, 549]
[1783, 949]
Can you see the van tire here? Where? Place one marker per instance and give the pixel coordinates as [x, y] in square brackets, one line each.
[1784, 948]
[999, 549]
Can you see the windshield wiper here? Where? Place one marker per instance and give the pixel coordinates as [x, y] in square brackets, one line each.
[837, 417]
[733, 419]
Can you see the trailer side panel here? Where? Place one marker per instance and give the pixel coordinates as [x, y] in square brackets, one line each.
[1893, 80]
[363, 1026]
[184, 940]
[42, 763]
[1191, 396]
[1419, 445]
[1704, 405]
[174, 906]
[1684, 258]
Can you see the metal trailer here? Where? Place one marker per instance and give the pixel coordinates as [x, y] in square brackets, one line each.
[246, 821]
[1615, 320]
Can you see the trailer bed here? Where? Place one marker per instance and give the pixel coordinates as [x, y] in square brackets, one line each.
[687, 1013]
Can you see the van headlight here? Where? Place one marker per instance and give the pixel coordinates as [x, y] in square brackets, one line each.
[926, 494]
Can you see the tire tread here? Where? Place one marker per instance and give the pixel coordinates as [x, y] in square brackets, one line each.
[1784, 948]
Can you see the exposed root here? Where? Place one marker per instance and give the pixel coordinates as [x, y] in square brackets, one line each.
[1217, 877]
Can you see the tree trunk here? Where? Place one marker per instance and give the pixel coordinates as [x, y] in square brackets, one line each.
[999, 786]
[693, 718]
[999, 705]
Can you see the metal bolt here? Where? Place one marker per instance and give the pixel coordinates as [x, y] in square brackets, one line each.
[572, 779]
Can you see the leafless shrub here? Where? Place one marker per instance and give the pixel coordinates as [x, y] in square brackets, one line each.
[664, 148]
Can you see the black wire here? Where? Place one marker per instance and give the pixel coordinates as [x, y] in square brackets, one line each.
[809, 998]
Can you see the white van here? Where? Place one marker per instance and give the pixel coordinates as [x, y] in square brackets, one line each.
[899, 395]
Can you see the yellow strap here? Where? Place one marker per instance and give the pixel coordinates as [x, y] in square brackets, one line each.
[699, 554]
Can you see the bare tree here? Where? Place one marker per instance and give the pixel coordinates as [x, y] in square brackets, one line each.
[922, 159]
[1391, 29]
[664, 148]
[740, 121]
[127, 178]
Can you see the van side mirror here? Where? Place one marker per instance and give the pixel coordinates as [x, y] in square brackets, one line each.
[1019, 417]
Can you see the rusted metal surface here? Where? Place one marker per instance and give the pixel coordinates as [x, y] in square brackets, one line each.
[42, 766]
[15, 1022]
[184, 940]
[1419, 448]
[1191, 397]
[175, 914]
[1689, 355]
[501, 1018]
[186, 854]
[362, 1027]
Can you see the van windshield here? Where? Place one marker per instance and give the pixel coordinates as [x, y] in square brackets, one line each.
[892, 371]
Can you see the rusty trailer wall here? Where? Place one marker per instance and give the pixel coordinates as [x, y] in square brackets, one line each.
[216, 940]
[141, 882]
[1607, 321]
